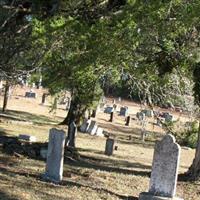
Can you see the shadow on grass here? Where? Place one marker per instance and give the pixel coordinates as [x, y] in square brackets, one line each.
[107, 165]
[109, 161]
[100, 189]
[67, 183]
[4, 196]
[3, 136]
[26, 116]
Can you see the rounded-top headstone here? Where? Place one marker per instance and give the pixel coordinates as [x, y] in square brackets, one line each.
[165, 167]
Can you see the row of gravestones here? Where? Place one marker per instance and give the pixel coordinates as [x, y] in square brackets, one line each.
[122, 112]
[91, 127]
[164, 169]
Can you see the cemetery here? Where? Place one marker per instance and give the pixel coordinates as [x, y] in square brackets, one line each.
[116, 165]
[99, 100]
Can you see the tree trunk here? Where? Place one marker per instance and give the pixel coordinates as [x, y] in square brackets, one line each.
[194, 170]
[75, 114]
[6, 96]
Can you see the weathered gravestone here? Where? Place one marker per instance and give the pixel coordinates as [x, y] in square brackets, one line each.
[123, 111]
[55, 156]
[28, 138]
[164, 171]
[30, 95]
[92, 128]
[108, 109]
[109, 147]
[99, 132]
[85, 125]
[148, 113]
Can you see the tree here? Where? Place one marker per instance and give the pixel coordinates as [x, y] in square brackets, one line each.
[19, 52]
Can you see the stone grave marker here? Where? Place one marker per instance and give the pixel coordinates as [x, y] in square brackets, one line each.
[99, 132]
[148, 113]
[85, 125]
[92, 128]
[30, 95]
[55, 156]
[109, 146]
[108, 109]
[164, 171]
[128, 119]
[123, 111]
[28, 138]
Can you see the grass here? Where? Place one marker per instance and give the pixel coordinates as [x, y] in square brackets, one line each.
[28, 117]
[95, 176]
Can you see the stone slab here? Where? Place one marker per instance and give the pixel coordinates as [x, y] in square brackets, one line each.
[123, 111]
[165, 167]
[84, 127]
[99, 132]
[55, 156]
[28, 138]
[94, 130]
[91, 127]
[109, 147]
[148, 196]
[108, 109]
[30, 94]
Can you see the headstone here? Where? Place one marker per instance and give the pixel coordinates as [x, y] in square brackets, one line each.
[55, 156]
[140, 116]
[111, 117]
[164, 170]
[124, 111]
[128, 119]
[28, 138]
[148, 113]
[72, 131]
[30, 94]
[109, 147]
[43, 98]
[85, 125]
[92, 128]
[99, 132]
[108, 109]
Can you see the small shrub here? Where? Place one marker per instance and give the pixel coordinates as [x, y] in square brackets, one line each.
[189, 136]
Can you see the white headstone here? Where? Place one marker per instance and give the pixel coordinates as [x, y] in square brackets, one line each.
[165, 167]
[164, 170]
[92, 127]
[55, 155]
[99, 132]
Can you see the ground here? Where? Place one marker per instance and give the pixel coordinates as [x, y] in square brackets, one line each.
[96, 176]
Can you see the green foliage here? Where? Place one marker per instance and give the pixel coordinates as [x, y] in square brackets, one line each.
[189, 136]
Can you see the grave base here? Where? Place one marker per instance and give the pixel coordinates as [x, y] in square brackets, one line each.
[148, 196]
[47, 178]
